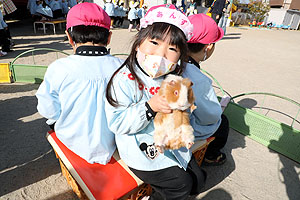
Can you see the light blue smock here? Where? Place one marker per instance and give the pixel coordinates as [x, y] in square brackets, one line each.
[55, 5]
[72, 3]
[44, 11]
[117, 11]
[109, 9]
[132, 14]
[31, 5]
[72, 95]
[131, 127]
[2, 22]
[65, 8]
[122, 11]
[141, 12]
[206, 119]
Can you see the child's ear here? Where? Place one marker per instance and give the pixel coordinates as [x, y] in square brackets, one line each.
[71, 42]
[109, 38]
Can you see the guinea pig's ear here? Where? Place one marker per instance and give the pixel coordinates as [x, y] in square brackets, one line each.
[172, 83]
[187, 82]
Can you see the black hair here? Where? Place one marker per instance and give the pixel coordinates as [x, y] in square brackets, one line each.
[158, 30]
[84, 34]
[195, 47]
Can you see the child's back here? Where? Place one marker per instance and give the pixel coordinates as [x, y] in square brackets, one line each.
[72, 93]
[79, 83]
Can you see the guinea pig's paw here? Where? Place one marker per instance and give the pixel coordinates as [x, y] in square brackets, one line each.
[193, 107]
[161, 149]
[189, 144]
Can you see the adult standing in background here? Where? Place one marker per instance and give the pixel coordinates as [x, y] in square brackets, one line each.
[217, 10]
[225, 16]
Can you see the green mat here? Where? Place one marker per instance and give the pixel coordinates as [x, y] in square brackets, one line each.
[267, 131]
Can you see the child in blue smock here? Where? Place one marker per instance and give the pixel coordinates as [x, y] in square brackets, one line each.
[109, 8]
[208, 119]
[132, 101]
[141, 13]
[72, 3]
[56, 7]
[122, 12]
[65, 8]
[133, 15]
[71, 96]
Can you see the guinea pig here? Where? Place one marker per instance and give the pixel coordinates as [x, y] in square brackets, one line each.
[173, 130]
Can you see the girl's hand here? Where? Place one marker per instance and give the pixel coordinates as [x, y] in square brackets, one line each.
[159, 104]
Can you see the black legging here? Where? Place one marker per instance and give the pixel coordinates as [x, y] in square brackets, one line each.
[221, 135]
[174, 183]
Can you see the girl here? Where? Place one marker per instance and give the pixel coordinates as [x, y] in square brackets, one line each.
[132, 102]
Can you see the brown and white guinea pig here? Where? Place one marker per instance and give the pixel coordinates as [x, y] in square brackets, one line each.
[173, 130]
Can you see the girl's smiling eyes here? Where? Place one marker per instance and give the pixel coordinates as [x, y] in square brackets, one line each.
[154, 42]
[173, 49]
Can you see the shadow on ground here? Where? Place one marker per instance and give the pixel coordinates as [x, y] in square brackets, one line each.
[26, 156]
[15, 88]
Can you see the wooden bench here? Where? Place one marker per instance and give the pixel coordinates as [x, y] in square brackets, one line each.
[111, 181]
[52, 22]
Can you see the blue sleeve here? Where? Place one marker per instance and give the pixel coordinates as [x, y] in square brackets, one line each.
[208, 107]
[48, 93]
[206, 118]
[130, 116]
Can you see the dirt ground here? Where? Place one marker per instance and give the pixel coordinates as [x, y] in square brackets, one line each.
[245, 60]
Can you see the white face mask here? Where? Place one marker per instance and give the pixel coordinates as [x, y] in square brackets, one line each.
[155, 66]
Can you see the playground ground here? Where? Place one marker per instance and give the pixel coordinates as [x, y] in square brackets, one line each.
[245, 60]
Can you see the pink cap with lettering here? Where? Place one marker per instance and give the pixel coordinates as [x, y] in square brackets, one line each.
[206, 30]
[168, 13]
[88, 14]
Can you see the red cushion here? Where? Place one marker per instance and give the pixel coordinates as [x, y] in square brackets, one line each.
[107, 182]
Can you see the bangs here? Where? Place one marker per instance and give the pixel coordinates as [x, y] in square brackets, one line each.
[161, 31]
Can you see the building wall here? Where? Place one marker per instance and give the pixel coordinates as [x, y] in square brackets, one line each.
[295, 5]
[276, 2]
[276, 15]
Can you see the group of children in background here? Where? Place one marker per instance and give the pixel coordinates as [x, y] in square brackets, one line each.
[117, 12]
[96, 102]
[49, 9]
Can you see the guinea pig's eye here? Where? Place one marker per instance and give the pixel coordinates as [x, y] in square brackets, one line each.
[176, 92]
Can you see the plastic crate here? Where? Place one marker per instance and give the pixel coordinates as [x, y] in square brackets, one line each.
[29, 73]
[5, 73]
[32, 73]
[276, 135]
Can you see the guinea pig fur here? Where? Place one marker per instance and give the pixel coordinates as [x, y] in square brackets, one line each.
[173, 130]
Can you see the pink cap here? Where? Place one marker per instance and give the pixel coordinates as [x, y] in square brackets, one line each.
[88, 14]
[206, 30]
[168, 13]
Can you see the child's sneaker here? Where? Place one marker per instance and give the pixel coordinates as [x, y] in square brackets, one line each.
[220, 160]
[3, 53]
[145, 198]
